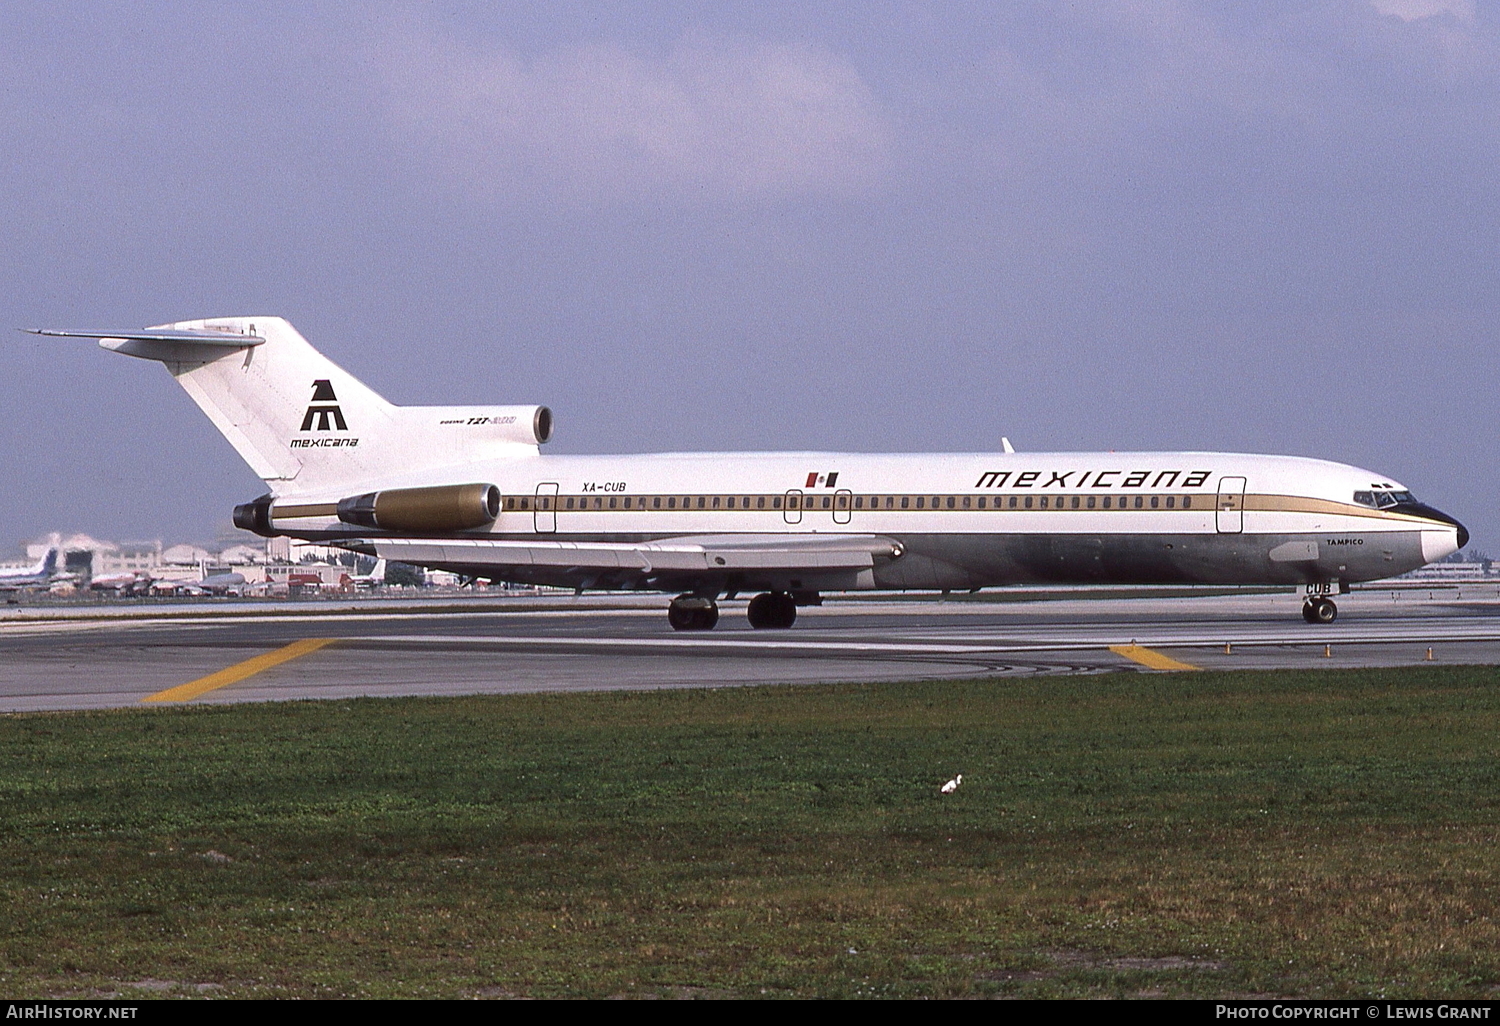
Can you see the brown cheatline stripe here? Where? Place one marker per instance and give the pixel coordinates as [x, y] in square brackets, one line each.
[1257, 501]
[239, 671]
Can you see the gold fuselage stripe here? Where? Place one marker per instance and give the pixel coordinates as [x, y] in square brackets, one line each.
[780, 502]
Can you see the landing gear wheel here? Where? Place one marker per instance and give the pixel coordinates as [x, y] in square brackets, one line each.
[774, 610]
[1320, 611]
[692, 613]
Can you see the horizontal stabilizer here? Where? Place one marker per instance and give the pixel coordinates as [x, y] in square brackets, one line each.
[726, 554]
[204, 337]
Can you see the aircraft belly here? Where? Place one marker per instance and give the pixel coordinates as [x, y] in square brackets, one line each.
[970, 561]
[947, 561]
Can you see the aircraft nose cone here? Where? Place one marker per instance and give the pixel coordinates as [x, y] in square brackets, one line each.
[1463, 532]
[1431, 513]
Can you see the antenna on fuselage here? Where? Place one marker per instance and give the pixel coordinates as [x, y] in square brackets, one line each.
[1005, 444]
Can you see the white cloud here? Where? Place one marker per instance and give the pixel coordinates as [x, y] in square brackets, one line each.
[712, 119]
[1412, 10]
[1168, 80]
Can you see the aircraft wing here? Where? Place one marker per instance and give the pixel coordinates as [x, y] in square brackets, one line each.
[711, 554]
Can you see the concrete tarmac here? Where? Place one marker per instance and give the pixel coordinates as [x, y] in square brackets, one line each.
[119, 655]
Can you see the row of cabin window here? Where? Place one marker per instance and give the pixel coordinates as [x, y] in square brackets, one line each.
[862, 502]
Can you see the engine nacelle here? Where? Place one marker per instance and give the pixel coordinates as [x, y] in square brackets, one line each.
[471, 428]
[255, 516]
[441, 508]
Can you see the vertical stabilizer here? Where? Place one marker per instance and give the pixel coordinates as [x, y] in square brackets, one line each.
[304, 424]
[298, 419]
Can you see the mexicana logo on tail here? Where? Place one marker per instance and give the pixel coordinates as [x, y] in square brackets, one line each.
[323, 414]
[323, 394]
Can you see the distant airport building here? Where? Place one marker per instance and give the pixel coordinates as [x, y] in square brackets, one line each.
[87, 556]
[244, 555]
[186, 555]
[126, 557]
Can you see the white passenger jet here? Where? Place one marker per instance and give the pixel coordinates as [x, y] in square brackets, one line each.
[40, 574]
[466, 489]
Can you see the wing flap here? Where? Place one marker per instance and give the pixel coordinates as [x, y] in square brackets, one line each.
[675, 555]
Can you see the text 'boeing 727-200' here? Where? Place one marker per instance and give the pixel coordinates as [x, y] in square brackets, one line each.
[466, 489]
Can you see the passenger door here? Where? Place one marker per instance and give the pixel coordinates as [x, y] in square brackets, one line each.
[791, 512]
[843, 501]
[1230, 512]
[546, 508]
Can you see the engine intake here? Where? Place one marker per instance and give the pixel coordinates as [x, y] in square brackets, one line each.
[442, 508]
[255, 516]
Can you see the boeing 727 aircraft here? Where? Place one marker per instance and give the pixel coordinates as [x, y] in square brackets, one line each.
[466, 489]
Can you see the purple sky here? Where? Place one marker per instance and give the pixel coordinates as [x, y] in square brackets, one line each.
[1266, 227]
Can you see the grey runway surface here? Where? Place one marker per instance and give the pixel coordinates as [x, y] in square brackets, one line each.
[100, 657]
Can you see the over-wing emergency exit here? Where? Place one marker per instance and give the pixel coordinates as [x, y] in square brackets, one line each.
[466, 489]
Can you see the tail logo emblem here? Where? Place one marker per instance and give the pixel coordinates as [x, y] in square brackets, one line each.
[324, 406]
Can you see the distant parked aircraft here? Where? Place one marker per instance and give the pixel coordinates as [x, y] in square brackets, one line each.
[130, 582]
[40, 574]
[212, 584]
[374, 579]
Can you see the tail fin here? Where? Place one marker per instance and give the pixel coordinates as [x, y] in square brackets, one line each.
[293, 414]
[307, 426]
[46, 566]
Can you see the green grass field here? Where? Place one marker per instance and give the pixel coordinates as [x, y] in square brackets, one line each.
[1319, 834]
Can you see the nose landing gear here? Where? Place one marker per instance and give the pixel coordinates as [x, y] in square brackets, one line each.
[1317, 607]
[1319, 610]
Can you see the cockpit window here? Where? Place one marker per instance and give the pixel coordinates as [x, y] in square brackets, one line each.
[1382, 499]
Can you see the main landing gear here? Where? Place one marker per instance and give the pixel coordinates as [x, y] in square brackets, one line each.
[693, 613]
[1319, 610]
[774, 610]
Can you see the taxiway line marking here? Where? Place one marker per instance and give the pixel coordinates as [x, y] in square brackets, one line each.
[239, 671]
[1150, 657]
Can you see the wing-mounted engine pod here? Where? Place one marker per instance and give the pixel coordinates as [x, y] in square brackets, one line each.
[441, 508]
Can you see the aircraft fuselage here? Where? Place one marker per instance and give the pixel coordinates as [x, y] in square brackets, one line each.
[959, 521]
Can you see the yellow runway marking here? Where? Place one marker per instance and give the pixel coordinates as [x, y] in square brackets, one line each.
[239, 671]
[1150, 657]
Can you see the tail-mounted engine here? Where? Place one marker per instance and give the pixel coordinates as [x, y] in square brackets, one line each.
[443, 508]
[255, 516]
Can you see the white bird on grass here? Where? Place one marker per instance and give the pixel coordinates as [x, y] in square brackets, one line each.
[952, 785]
